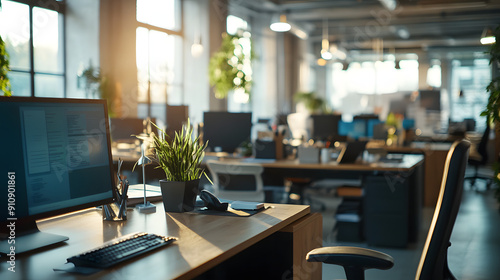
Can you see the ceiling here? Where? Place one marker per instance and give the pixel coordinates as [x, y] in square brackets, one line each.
[395, 25]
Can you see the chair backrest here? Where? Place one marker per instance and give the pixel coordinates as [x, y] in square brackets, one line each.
[482, 147]
[237, 181]
[433, 262]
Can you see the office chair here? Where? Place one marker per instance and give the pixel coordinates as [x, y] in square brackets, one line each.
[480, 160]
[237, 181]
[433, 262]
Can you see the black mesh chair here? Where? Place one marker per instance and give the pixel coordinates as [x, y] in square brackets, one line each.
[480, 160]
[433, 262]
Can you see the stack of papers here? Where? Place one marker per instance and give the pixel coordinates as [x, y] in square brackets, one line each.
[246, 205]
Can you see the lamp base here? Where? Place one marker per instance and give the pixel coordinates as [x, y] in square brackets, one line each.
[146, 208]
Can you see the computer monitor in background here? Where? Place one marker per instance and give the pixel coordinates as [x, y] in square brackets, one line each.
[359, 129]
[367, 121]
[325, 127]
[57, 157]
[123, 129]
[226, 131]
[176, 117]
[430, 99]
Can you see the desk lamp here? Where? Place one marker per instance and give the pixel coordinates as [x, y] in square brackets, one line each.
[145, 207]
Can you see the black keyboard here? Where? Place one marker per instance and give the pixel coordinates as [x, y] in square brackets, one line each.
[120, 249]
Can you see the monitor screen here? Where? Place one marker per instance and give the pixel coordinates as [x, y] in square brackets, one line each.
[177, 116]
[430, 100]
[57, 154]
[226, 131]
[124, 129]
[325, 127]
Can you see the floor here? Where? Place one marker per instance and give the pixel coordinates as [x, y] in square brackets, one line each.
[475, 250]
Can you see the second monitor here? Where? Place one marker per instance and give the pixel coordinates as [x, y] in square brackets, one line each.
[325, 127]
[226, 131]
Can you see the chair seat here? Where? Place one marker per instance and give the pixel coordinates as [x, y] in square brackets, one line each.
[351, 256]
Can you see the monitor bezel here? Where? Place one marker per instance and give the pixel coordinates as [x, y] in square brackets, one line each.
[62, 211]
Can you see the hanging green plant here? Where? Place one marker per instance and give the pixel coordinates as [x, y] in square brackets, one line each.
[5, 86]
[492, 110]
[229, 68]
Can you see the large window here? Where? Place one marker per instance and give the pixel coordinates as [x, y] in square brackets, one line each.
[361, 82]
[33, 33]
[159, 56]
[469, 80]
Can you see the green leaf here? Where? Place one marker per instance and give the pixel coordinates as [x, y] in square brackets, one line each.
[180, 157]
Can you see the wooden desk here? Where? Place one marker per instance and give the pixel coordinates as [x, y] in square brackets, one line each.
[207, 245]
[408, 163]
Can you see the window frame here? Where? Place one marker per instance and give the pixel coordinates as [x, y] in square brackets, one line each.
[175, 32]
[58, 6]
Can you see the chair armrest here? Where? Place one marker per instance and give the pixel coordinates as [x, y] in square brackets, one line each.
[351, 257]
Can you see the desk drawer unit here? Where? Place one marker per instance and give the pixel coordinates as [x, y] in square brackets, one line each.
[386, 208]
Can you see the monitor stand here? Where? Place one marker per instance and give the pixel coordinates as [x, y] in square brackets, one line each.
[27, 238]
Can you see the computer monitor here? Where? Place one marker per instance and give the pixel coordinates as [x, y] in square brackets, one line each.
[124, 129]
[56, 154]
[226, 131]
[325, 127]
[176, 117]
[430, 100]
[363, 125]
[354, 130]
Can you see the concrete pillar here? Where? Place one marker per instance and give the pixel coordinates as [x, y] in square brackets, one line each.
[218, 11]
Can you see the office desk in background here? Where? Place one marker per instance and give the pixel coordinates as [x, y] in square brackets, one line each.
[435, 156]
[393, 192]
[270, 244]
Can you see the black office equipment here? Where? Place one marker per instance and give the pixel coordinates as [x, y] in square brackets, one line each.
[212, 202]
[176, 117]
[368, 121]
[57, 155]
[433, 263]
[226, 131]
[351, 152]
[430, 100]
[480, 160]
[123, 129]
[325, 127]
[121, 249]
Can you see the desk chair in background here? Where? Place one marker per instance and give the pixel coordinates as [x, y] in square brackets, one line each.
[237, 181]
[433, 262]
[480, 160]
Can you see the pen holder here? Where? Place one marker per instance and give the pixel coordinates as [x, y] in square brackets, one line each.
[117, 211]
[111, 212]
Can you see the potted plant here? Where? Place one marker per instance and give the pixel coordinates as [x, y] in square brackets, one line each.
[492, 110]
[180, 158]
[4, 69]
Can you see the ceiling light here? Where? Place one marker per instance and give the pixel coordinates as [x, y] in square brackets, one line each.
[326, 55]
[197, 47]
[487, 37]
[280, 26]
[321, 62]
[325, 44]
[389, 4]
